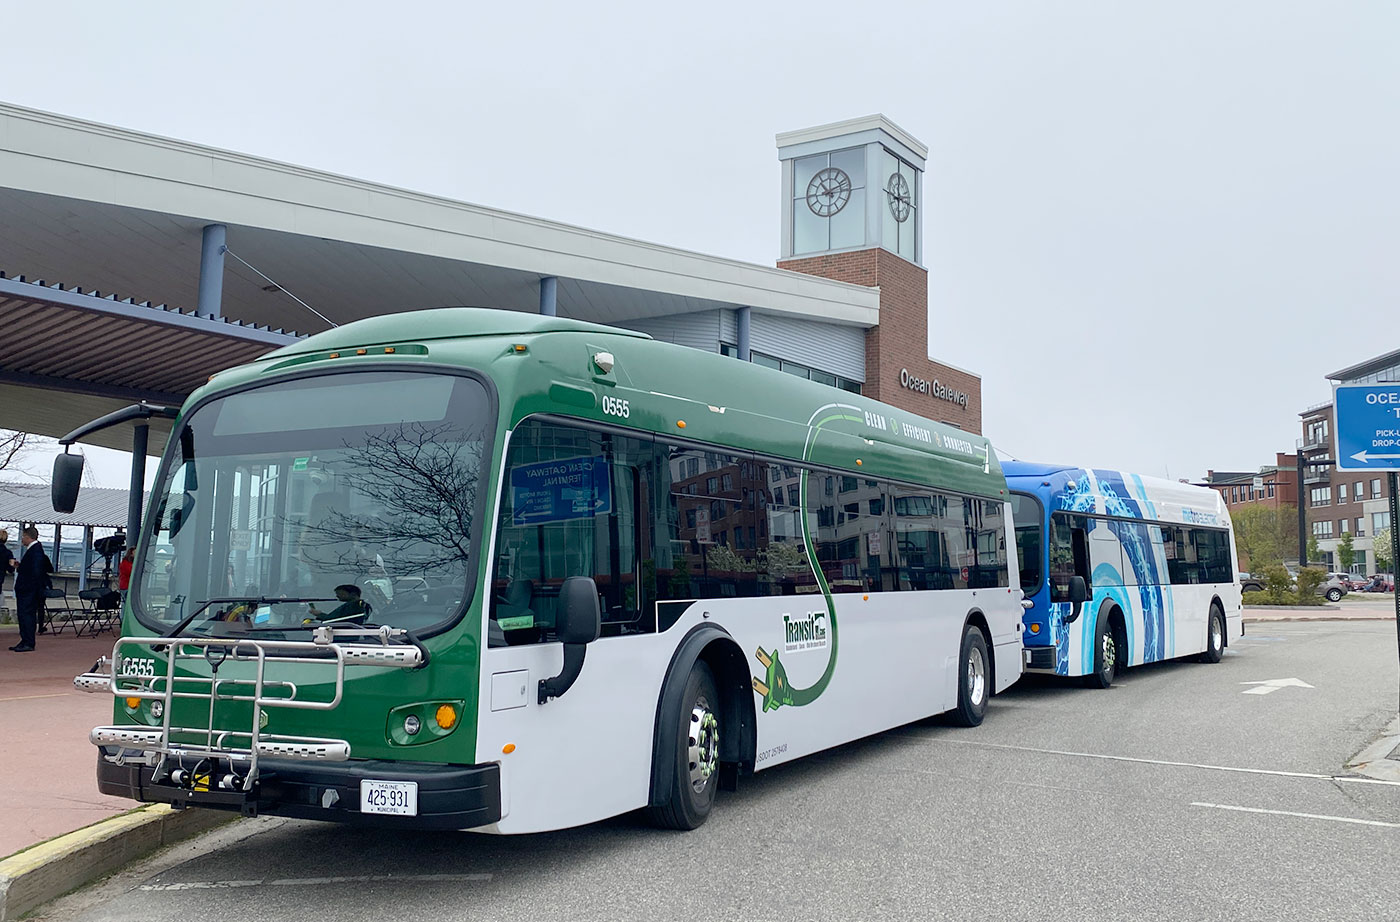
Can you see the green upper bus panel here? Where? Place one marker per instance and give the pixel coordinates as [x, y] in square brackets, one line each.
[440, 323]
[547, 365]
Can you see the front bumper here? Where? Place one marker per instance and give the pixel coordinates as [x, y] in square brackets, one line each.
[449, 796]
[1039, 657]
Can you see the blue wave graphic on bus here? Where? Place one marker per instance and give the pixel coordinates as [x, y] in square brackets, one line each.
[1137, 548]
[1080, 499]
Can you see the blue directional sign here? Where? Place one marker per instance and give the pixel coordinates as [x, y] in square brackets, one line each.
[557, 491]
[1368, 426]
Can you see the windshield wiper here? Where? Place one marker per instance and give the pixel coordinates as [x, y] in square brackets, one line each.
[258, 600]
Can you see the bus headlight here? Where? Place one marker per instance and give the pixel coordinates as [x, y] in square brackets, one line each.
[157, 709]
[423, 722]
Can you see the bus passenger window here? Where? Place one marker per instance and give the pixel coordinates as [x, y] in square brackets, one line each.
[576, 503]
[1025, 513]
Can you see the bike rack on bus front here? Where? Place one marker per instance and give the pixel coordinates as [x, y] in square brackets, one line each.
[161, 746]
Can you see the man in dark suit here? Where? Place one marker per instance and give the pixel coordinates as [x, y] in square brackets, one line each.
[31, 579]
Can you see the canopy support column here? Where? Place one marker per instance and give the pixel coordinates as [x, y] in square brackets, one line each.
[211, 270]
[743, 318]
[549, 296]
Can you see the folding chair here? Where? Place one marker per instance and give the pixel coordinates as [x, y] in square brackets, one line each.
[106, 611]
[86, 613]
[55, 603]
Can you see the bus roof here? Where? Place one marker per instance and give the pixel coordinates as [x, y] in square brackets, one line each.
[1117, 493]
[547, 365]
[443, 323]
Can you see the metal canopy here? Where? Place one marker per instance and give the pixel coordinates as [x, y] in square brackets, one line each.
[119, 209]
[67, 356]
[99, 507]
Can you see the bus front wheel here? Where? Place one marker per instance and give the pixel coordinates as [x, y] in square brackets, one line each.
[695, 780]
[1215, 636]
[1106, 654]
[974, 679]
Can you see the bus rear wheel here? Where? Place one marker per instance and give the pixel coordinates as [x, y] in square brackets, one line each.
[1215, 636]
[695, 780]
[974, 679]
[1106, 655]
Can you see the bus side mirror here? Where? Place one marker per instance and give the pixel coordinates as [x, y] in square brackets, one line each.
[580, 618]
[1078, 590]
[67, 478]
[578, 623]
[1078, 595]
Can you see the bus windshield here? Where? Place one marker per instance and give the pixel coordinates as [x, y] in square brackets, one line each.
[343, 498]
[1026, 513]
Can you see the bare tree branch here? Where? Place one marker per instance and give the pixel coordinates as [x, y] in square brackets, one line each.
[421, 483]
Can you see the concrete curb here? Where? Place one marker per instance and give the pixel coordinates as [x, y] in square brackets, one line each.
[1372, 760]
[53, 868]
[1319, 616]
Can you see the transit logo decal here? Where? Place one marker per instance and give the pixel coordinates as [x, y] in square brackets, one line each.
[806, 634]
[817, 631]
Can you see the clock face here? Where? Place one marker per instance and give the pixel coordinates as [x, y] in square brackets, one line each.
[828, 192]
[899, 198]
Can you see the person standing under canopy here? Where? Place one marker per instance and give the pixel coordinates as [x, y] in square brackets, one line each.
[31, 579]
[7, 559]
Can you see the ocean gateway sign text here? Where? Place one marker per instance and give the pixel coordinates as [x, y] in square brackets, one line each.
[937, 390]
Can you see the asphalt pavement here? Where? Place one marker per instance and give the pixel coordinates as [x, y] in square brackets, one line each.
[1182, 792]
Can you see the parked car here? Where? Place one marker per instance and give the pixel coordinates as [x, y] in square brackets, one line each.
[1335, 586]
[1378, 583]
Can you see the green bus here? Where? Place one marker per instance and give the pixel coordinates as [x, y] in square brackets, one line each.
[424, 569]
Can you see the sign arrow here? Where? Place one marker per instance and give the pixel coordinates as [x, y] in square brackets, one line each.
[1365, 457]
[1273, 685]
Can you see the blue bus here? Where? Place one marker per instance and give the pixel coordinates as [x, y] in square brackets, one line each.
[1120, 569]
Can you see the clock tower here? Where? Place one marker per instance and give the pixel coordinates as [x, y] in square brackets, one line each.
[852, 205]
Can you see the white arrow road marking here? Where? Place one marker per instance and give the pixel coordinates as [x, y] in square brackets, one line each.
[1365, 456]
[1273, 685]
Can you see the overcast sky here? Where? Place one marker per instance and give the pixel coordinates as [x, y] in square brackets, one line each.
[1151, 228]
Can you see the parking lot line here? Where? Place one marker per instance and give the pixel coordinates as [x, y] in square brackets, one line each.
[1140, 761]
[1306, 816]
[315, 881]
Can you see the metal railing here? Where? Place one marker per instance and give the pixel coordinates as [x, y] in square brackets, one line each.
[177, 752]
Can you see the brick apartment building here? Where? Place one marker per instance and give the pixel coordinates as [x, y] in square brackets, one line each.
[1277, 484]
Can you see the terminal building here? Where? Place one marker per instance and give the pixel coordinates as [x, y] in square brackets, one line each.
[133, 266]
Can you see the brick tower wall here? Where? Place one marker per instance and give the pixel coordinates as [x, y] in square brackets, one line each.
[901, 339]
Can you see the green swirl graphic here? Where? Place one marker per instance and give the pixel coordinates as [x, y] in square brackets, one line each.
[774, 687]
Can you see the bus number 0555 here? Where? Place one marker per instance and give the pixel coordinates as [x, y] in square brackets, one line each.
[614, 407]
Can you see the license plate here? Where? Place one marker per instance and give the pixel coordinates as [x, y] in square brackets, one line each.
[396, 798]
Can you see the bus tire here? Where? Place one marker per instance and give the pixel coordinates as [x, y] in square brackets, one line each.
[974, 678]
[695, 781]
[1106, 654]
[1215, 636]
